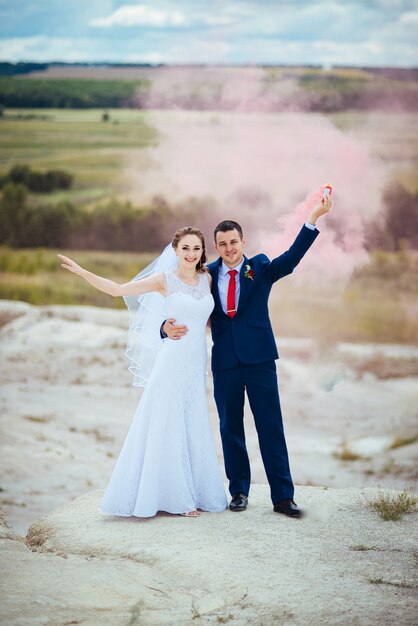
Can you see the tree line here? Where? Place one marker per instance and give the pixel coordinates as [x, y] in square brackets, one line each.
[70, 93]
[318, 92]
[112, 226]
[335, 92]
[121, 226]
[11, 69]
[38, 182]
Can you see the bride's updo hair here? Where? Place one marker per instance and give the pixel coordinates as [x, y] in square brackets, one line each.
[191, 230]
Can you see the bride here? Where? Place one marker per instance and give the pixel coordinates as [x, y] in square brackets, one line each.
[168, 460]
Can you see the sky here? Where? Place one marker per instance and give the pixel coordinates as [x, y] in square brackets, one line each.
[350, 32]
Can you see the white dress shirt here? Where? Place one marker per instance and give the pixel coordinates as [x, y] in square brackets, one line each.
[223, 283]
[223, 279]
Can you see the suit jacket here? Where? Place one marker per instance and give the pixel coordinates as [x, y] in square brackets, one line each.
[248, 337]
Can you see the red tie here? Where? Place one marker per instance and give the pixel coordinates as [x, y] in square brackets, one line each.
[230, 301]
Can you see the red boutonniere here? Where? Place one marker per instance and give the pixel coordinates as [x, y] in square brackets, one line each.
[249, 273]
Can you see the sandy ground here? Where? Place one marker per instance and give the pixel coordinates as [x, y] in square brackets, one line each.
[67, 402]
[342, 564]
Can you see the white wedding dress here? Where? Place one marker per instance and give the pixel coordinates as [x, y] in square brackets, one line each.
[168, 461]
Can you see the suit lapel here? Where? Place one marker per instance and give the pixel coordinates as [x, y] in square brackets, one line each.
[215, 287]
[245, 285]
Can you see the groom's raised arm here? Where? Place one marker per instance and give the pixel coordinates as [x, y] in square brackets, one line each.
[286, 262]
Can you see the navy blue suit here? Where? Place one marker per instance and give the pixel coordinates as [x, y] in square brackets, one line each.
[243, 359]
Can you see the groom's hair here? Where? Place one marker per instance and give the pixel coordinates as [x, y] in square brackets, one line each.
[227, 225]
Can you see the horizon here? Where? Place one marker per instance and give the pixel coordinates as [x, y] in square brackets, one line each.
[95, 63]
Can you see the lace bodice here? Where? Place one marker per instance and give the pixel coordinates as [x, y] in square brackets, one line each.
[176, 285]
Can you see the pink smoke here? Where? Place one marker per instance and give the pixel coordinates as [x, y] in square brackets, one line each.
[335, 254]
[257, 168]
[340, 248]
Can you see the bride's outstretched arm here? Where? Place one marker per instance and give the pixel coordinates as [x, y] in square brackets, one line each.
[156, 282]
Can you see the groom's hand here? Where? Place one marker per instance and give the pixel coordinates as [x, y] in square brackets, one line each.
[172, 331]
[322, 208]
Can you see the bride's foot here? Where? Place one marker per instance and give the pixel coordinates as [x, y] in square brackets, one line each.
[191, 514]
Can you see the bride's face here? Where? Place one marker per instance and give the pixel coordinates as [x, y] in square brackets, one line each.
[189, 251]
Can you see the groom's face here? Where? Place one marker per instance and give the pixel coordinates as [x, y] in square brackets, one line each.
[230, 247]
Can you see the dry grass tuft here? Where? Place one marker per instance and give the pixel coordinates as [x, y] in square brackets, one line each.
[399, 442]
[402, 584]
[393, 506]
[195, 611]
[345, 454]
[37, 418]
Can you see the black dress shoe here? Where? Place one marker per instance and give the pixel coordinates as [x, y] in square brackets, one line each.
[289, 508]
[239, 502]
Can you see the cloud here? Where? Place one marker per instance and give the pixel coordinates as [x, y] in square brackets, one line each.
[409, 19]
[164, 17]
[43, 49]
[137, 15]
[329, 32]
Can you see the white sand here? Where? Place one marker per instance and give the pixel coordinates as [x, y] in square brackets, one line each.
[255, 567]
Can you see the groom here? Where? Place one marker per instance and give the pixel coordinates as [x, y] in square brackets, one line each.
[243, 358]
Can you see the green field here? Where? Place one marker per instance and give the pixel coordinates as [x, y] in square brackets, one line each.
[77, 141]
[36, 276]
[96, 151]
[377, 305]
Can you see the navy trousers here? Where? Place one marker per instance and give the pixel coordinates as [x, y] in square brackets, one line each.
[260, 383]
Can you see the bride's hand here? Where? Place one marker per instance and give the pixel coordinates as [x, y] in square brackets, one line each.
[70, 265]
